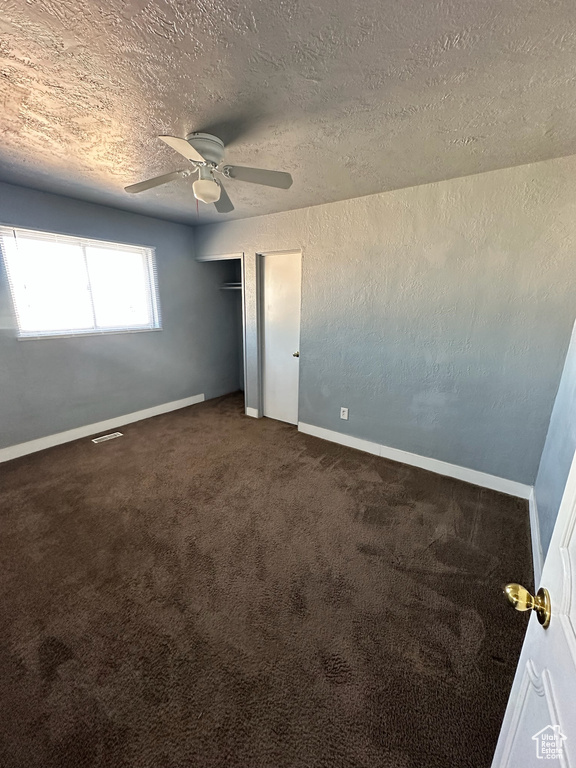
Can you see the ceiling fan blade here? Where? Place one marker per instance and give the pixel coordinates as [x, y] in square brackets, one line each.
[183, 147]
[155, 182]
[278, 179]
[224, 204]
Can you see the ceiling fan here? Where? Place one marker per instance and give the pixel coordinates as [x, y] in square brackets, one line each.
[206, 154]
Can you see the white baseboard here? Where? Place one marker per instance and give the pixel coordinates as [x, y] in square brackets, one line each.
[22, 449]
[510, 487]
[252, 412]
[537, 555]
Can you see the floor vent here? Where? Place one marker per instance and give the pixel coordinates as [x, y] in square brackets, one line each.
[107, 437]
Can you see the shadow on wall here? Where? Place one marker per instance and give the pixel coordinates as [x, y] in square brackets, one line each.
[558, 450]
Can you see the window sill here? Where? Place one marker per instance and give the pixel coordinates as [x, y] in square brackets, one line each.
[79, 334]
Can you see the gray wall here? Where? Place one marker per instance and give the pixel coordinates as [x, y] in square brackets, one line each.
[51, 385]
[239, 338]
[440, 315]
[558, 450]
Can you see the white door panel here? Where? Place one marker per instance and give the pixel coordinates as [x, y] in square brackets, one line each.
[543, 697]
[281, 335]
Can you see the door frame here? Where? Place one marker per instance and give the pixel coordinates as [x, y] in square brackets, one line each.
[260, 257]
[229, 257]
[260, 331]
[252, 270]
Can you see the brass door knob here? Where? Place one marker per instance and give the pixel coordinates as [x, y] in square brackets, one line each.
[522, 600]
[295, 354]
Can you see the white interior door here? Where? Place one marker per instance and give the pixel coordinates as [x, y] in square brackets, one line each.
[281, 335]
[540, 721]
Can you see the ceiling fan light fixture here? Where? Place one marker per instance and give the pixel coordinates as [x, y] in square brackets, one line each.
[206, 190]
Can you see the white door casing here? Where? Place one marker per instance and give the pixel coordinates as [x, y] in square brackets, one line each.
[281, 294]
[539, 726]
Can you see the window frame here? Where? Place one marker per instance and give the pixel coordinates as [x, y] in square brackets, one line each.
[147, 252]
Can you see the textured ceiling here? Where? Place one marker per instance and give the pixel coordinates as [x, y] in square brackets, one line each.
[351, 96]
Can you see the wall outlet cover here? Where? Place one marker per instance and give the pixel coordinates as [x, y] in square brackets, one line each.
[344, 413]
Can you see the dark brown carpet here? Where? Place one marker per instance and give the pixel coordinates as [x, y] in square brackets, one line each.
[213, 590]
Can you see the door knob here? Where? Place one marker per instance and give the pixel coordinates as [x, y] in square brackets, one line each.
[522, 600]
[295, 354]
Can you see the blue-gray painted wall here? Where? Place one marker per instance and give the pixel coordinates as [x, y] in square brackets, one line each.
[558, 450]
[52, 385]
[439, 315]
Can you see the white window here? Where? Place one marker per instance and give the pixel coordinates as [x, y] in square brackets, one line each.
[69, 286]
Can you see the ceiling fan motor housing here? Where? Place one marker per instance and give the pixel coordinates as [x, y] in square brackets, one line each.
[210, 147]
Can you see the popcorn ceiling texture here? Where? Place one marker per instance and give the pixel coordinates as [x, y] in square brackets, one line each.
[352, 97]
[439, 315]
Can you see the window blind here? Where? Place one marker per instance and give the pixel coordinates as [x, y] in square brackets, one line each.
[64, 285]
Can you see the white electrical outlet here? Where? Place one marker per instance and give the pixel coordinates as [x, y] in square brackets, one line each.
[344, 413]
